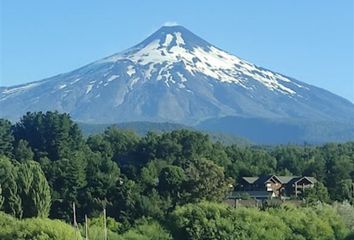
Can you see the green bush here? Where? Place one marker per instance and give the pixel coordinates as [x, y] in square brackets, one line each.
[147, 230]
[142, 230]
[217, 221]
[35, 229]
[346, 212]
[315, 222]
[207, 220]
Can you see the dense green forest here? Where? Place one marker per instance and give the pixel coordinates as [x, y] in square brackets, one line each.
[142, 128]
[161, 185]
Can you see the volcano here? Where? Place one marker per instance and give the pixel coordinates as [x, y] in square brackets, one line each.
[176, 76]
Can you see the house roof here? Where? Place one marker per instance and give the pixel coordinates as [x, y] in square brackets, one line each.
[286, 179]
[311, 179]
[283, 179]
[263, 179]
[250, 179]
[259, 180]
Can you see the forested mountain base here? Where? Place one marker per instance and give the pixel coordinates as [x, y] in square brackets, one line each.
[160, 186]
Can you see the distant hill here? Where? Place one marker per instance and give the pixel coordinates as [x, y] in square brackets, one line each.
[281, 131]
[141, 128]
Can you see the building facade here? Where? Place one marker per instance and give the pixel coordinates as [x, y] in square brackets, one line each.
[272, 186]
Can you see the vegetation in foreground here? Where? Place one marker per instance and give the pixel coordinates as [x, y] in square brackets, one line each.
[160, 186]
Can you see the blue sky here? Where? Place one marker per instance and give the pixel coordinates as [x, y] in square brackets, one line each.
[309, 40]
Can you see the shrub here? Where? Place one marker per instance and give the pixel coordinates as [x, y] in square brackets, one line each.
[35, 229]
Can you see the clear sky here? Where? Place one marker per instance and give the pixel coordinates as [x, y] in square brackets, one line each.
[311, 40]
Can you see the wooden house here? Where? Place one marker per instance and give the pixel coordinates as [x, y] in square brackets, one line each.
[276, 186]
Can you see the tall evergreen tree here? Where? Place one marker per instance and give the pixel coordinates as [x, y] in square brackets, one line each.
[6, 138]
[68, 177]
[34, 190]
[101, 176]
[49, 134]
[8, 180]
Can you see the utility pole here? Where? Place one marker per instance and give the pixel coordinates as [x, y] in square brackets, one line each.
[86, 228]
[105, 223]
[74, 212]
[74, 220]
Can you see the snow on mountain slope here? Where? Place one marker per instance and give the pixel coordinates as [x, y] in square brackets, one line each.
[171, 48]
[174, 76]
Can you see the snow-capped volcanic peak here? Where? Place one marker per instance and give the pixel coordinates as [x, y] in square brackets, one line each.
[174, 76]
[175, 44]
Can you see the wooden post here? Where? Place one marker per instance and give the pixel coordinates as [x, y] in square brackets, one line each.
[74, 219]
[105, 223]
[86, 228]
[74, 215]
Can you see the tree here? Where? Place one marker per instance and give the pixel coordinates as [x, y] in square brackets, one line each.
[206, 220]
[346, 212]
[339, 168]
[6, 138]
[324, 222]
[289, 157]
[12, 203]
[23, 151]
[34, 190]
[49, 134]
[101, 177]
[171, 181]
[249, 162]
[149, 174]
[98, 144]
[219, 156]
[67, 180]
[123, 199]
[205, 181]
[173, 147]
[345, 190]
[317, 193]
[26, 191]
[316, 167]
[193, 143]
[152, 205]
[121, 142]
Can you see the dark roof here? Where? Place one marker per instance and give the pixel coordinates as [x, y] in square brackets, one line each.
[263, 179]
[283, 179]
[259, 180]
[286, 179]
[311, 179]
